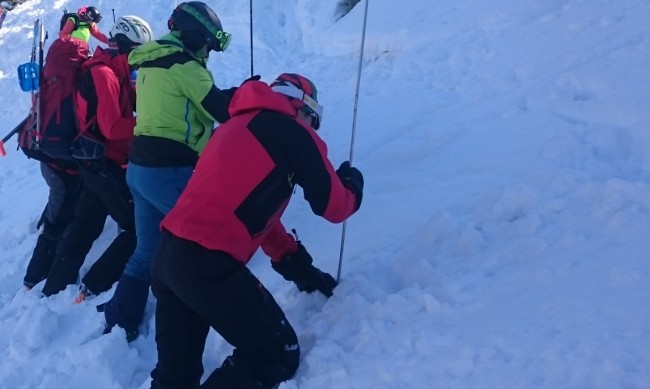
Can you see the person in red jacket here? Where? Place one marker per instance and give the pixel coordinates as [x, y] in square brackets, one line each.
[104, 105]
[83, 25]
[231, 206]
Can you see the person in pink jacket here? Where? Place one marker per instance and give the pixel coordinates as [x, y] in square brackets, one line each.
[232, 206]
[83, 25]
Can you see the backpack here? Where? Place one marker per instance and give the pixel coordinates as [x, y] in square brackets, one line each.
[51, 128]
[89, 142]
[69, 15]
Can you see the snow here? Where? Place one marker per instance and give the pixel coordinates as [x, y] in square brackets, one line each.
[503, 236]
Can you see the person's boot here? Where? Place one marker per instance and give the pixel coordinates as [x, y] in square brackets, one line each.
[235, 374]
[84, 294]
[126, 308]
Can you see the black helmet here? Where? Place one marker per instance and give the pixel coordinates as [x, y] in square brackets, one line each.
[89, 14]
[197, 19]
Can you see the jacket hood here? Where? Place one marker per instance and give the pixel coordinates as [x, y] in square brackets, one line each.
[109, 57]
[167, 45]
[257, 95]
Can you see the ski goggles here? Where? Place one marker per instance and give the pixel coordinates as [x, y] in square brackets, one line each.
[311, 108]
[220, 42]
[217, 39]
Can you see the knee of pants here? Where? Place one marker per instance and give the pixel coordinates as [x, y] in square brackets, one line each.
[139, 268]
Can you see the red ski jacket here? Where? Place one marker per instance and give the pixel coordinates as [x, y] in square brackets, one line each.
[246, 174]
[113, 109]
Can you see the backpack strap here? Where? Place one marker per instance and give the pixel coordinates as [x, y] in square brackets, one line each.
[75, 19]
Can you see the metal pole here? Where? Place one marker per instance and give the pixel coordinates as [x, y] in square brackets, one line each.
[251, 27]
[354, 126]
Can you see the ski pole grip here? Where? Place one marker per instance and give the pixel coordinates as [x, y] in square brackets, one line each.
[3, 153]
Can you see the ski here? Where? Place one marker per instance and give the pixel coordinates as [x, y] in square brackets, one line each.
[42, 37]
[29, 77]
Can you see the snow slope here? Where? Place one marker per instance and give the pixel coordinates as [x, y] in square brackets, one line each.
[503, 237]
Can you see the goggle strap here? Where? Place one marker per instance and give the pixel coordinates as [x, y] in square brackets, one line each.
[295, 92]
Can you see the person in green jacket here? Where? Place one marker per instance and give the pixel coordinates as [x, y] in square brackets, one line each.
[177, 105]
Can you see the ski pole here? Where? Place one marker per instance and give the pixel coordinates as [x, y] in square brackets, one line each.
[354, 125]
[113, 9]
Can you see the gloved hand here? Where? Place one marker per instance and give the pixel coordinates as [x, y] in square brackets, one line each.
[298, 268]
[252, 78]
[352, 178]
[230, 92]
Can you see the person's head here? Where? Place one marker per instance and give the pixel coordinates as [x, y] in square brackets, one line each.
[302, 95]
[89, 14]
[130, 31]
[199, 27]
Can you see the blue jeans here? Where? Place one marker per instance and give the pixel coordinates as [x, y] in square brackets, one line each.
[155, 191]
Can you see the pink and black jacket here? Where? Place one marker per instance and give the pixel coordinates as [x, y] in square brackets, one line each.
[246, 175]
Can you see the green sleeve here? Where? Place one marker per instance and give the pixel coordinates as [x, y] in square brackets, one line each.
[195, 82]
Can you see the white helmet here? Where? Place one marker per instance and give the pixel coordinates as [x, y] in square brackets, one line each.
[133, 28]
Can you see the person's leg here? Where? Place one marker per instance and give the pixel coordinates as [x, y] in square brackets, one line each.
[85, 228]
[225, 294]
[180, 332]
[266, 347]
[59, 211]
[65, 188]
[155, 191]
[110, 187]
[108, 268]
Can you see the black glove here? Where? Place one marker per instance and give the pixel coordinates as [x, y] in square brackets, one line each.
[230, 92]
[298, 268]
[352, 178]
[252, 78]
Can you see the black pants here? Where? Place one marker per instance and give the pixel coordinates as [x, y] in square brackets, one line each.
[196, 289]
[104, 192]
[58, 213]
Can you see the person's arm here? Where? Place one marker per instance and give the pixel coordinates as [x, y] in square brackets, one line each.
[328, 196]
[216, 104]
[110, 118]
[94, 31]
[277, 242]
[197, 84]
[67, 28]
